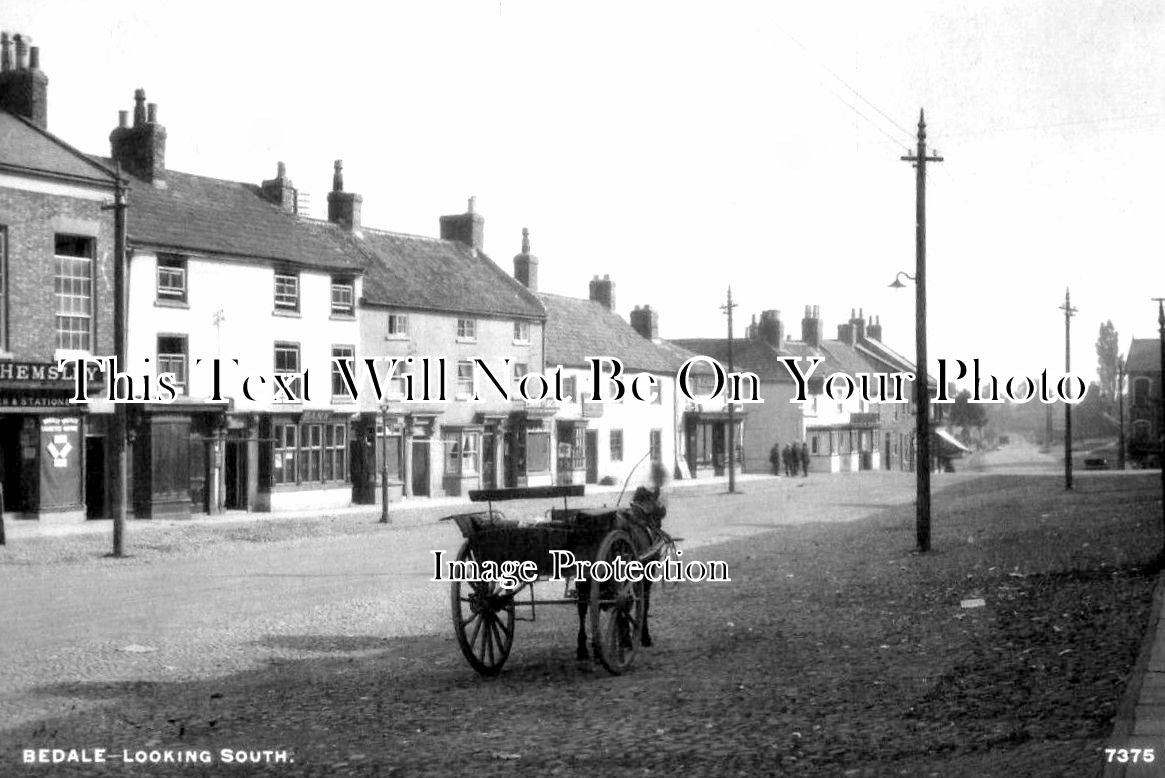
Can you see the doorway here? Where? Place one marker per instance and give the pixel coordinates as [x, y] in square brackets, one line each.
[592, 444]
[234, 475]
[94, 478]
[420, 477]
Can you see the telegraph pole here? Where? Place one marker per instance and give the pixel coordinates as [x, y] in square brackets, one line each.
[120, 409]
[727, 308]
[921, 384]
[1069, 312]
[384, 464]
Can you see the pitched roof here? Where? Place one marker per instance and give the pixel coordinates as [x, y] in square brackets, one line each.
[577, 329]
[30, 149]
[1144, 356]
[755, 356]
[414, 272]
[212, 216]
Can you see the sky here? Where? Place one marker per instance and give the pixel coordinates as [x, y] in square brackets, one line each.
[685, 147]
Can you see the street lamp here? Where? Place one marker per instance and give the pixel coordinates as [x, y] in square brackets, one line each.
[922, 424]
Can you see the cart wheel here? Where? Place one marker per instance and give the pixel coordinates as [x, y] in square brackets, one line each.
[483, 618]
[616, 608]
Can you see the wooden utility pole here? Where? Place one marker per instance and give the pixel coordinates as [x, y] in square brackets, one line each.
[1069, 312]
[921, 385]
[120, 409]
[727, 308]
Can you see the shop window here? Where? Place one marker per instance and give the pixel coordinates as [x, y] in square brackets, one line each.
[286, 453]
[461, 452]
[73, 292]
[616, 445]
[537, 451]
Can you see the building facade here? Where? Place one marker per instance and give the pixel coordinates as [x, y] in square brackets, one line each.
[56, 271]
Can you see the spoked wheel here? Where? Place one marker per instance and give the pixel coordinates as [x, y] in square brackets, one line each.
[483, 618]
[616, 608]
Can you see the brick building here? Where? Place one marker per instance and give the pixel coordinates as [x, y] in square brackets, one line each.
[1143, 371]
[56, 271]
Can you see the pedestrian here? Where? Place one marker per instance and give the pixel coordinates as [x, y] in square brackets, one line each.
[787, 459]
[775, 458]
[804, 459]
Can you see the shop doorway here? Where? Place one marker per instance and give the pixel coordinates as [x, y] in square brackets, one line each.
[234, 475]
[94, 478]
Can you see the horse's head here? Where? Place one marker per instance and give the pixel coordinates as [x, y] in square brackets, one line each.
[647, 500]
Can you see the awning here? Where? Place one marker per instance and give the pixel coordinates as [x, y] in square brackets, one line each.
[951, 441]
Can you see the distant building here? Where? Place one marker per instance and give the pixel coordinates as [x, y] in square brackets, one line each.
[1143, 369]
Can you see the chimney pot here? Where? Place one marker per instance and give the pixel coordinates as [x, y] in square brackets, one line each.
[472, 202]
[152, 113]
[5, 53]
[338, 176]
[21, 51]
[602, 291]
[34, 58]
[280, 170]
[123, 119]
[646, 322]
[526, 265]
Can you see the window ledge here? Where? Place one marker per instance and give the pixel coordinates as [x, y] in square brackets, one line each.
[162, 302]
[288, 313]
[343, 400]
[396, 337]
[466, 340]
[342, 316]
[520, 342]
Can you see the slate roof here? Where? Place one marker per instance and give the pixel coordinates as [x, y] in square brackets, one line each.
[414, 272]
[229, 218]
[577, 329]
[29, 149]
[1144, 356]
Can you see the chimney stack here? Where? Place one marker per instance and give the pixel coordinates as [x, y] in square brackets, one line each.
[770, 329]
[343, 207]
[874, 331]
[526, 264]
[467, 228]
[24, 89]
[141, 149]
[646, 322]
[603, 292]
[812, 330]
[280, 190]
[858, 325]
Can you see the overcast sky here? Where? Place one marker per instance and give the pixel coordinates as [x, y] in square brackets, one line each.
[683, 147]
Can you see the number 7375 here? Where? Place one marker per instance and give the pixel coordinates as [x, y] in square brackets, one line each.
[1129, 755]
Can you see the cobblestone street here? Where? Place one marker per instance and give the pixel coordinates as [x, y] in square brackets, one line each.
[339, 651]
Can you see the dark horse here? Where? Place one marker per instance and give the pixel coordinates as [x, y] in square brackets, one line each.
[641, 520]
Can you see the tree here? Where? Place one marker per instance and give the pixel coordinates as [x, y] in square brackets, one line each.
[967, 414]
[1107, 354]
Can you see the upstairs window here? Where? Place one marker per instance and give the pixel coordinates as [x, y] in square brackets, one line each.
[343, 297]
[467, 329]
[171, 279]
[172, 359]
[1141, 390]
[465, 377]
[287, 361]
[347, 354]
[398, 325]
[521, 332]
[73, 292]
[286, 292]
[616, 445]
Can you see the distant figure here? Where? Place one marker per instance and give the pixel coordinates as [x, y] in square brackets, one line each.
[787, 457]
[775, 458]
[804, 459]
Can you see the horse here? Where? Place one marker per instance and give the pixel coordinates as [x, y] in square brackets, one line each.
[642, 520]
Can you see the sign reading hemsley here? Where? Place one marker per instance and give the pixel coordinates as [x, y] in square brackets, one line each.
[38, 384]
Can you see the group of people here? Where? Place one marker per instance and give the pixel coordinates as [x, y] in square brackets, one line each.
[794, 457]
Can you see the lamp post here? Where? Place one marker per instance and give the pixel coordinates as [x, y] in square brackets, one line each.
[1161, 416]
[384, 464]
[1120, 395]
[727, 308]
[1069, 312]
